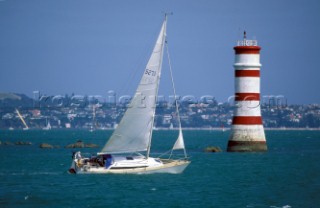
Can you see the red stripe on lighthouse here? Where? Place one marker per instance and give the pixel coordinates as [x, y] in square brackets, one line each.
[247, 49]
[247, 73]
[247, 120]
[247, 96]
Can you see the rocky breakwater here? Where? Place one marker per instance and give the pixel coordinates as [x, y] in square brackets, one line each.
[48, 146]
[8, 143]
[78, 144]
[81, 144]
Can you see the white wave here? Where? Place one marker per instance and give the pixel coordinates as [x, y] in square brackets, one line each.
[45, 173]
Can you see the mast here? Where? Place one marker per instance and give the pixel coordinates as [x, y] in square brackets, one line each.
[94, 124]
[157, 86]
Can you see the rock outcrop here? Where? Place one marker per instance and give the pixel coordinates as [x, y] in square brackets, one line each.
[46, 146]
[81, 144]
[7, 143]
[213, 149]
[22, 143]
[91, 145]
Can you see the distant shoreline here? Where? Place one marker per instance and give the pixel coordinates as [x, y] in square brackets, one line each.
[228, 129]
[174, 129]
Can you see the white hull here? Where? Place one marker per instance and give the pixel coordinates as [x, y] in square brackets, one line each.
[168, 166]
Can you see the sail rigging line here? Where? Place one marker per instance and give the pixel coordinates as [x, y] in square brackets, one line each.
[176, 102]
[128, 82]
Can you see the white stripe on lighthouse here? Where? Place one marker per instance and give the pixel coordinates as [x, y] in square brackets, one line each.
[248, 60]
[247, 108]
[247, 84]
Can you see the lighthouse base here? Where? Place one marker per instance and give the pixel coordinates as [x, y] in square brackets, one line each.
[247, 146]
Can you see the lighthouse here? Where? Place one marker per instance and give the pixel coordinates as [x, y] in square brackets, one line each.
[247, 132]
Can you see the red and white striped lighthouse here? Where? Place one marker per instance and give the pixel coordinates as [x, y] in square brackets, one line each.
[247, 133]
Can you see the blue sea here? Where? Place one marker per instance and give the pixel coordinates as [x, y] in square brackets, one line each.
[286, 176]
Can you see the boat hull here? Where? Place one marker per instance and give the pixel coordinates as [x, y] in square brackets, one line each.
[168, 166]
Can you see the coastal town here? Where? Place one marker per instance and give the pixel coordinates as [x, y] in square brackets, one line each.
[17, 111]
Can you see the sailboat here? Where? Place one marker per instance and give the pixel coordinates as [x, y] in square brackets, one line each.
[48, 126]
[93, 124]
[128, 148]
[26, 127]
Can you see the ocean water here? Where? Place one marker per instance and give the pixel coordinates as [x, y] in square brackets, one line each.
[288, 175]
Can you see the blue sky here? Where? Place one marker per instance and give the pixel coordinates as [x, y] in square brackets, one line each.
[89, 47]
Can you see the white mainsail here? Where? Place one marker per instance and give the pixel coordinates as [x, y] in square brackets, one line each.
[134, 131]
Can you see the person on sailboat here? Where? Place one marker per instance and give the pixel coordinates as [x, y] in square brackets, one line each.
[109, 161]
[77, 155]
